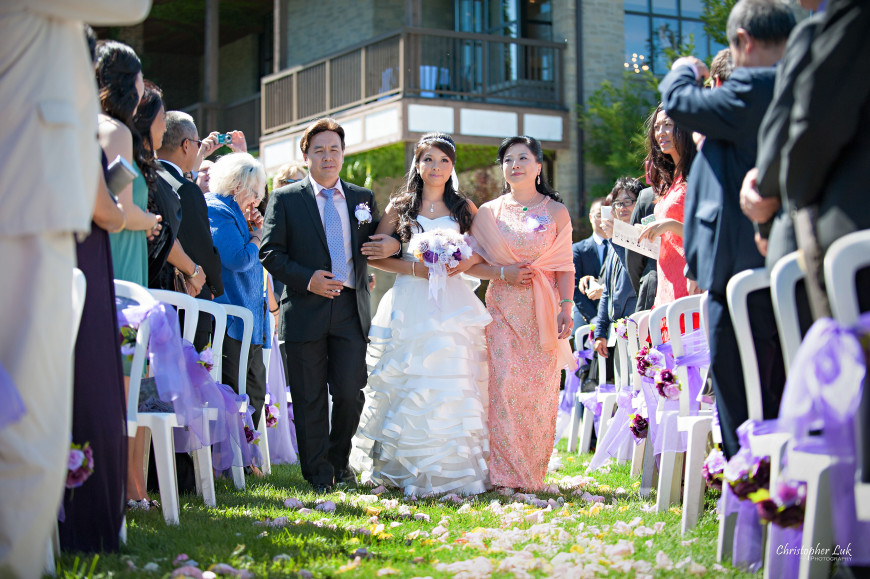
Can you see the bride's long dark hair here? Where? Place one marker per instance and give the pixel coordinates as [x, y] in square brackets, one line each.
[409, 197]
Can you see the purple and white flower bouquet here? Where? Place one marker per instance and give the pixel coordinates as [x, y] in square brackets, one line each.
[206, 358]
[251, 435]
[272, 413]
[747, 474]
[649, 361]
[80, 465]
[439, 249]
[785, 506]
[667, 384]
[714, 466]
[638, 425]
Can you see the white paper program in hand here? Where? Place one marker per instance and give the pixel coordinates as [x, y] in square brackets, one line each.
[628, 237]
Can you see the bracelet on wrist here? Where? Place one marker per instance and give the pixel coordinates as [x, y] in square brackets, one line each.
[275, 311]
[413, 272]
[501, 274]
[195, 272]
[566, 301]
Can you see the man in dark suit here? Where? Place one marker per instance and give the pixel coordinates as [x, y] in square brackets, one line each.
[313, 242]
[718, 238]
[178, 155]
[642, 269]
[589, 256]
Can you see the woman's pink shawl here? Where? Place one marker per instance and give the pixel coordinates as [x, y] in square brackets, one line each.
[493, 247]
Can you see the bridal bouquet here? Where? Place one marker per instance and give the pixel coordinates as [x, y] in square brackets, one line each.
[439, 249]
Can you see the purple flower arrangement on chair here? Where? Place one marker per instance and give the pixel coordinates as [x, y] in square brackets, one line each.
[639, 426]
[785, 506]
[251, 435]
[649, 361]
[747, 475]
[714, 466]
[667, 384]
[272, 413]
[80, 465]
[206, 358]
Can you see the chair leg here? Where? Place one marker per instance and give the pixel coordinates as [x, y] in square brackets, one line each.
[818, 530]
[727, 526]
[204, 479]
[587, 423]
[637, 458]
[122, 534]
[264, 444]
[238, 471]
[574, 429]
[164, 455]
[693, 499]
[649, 474]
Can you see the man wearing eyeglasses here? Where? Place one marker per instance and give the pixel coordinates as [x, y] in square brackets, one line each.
[182, 152]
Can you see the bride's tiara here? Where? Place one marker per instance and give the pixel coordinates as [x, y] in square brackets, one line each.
[438, 140]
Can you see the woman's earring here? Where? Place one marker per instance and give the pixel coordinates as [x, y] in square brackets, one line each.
[538, 180]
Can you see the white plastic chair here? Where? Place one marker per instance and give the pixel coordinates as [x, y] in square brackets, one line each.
[247, 318]
[161, 424]
[637, 333]
[772, 445]
[577, 422]
[784, 278]
[844, 259]
[671, 463]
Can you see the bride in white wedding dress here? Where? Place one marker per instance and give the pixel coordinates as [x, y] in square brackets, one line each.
[424, 425]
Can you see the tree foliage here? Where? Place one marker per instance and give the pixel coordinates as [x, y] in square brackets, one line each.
[715, 19]
[613, 121]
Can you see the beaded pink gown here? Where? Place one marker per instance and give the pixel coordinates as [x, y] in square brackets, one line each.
[523, 378]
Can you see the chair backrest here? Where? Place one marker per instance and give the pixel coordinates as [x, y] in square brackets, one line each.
[637, 334]
[784, 278]
[621, 365]
[79, 290]
[247, 318]
[705, 314]
[655, 324]
[580, 336]
[737, 292]
[140, 295]
[219, 314]
[683, 308]
[183, 303]
[844, 259]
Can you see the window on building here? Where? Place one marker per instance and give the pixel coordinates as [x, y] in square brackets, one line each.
[651, 26]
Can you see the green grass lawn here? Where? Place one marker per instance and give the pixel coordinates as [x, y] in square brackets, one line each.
[369, 536]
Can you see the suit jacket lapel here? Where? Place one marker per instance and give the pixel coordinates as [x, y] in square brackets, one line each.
[314, 213]
[352, 199]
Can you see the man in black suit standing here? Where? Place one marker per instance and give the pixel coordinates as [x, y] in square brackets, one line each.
[588, 257]
[178, 155]
[313, 242]
[718, 238]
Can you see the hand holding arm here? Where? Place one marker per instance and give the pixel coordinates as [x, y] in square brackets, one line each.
[757, 208]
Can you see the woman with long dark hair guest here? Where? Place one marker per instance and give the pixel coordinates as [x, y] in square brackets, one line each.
[671, 152]
[121, 86]
[163, 248]
[525, 238]
[423, 428]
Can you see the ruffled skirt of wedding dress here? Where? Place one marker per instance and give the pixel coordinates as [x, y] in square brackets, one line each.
[424, 425]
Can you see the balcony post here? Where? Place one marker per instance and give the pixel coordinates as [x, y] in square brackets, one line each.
[212, 23]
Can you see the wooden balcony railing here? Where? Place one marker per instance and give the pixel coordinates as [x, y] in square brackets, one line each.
[421, 63]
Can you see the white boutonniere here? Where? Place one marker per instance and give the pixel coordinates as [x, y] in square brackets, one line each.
[363, 213]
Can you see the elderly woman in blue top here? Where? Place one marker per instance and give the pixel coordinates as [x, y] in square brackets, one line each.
[237, 182]
[618, 300]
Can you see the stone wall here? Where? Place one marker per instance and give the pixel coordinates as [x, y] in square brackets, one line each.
[307, 39]
[239, 64]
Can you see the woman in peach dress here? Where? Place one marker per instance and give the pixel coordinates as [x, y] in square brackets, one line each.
[671, 153]
[525, 238]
